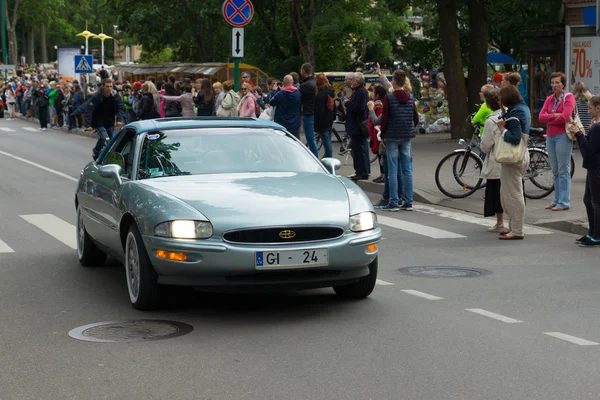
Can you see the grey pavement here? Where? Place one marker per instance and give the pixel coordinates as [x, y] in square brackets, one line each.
[428, 150]
[528, 329]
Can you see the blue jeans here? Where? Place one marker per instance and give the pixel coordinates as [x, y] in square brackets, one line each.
[308, 124]
[399, 169]
[326, 140]
[105, 134]
[386, 186]
[559, 150]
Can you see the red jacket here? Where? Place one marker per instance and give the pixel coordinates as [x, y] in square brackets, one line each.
[373, 132]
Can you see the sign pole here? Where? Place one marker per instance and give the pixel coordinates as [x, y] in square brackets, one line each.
[236, 74]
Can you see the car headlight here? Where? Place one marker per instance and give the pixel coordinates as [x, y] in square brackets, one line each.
[363, 221]
[184, 229]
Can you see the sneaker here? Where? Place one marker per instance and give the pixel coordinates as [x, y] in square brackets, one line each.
[406, 207]
[582, 239]
[389, 207]
[589, 242]
[382, 203]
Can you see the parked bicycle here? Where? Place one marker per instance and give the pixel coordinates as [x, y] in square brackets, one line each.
[464, 169]
[345, 149]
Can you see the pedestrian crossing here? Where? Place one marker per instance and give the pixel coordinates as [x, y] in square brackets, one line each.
[465, 227]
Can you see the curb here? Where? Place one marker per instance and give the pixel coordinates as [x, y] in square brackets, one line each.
[578, 227]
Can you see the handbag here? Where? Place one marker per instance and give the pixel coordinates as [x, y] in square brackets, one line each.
[508, 153]
[574, 120]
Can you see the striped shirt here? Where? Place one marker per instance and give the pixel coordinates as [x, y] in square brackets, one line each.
[584, 114]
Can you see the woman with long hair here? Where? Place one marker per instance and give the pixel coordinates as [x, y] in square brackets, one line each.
[324, 111]
[205, 98]
[582, 96]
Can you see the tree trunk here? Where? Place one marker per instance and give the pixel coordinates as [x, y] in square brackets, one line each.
[44, 50]
[31, 46]
[11, 30]
[478, 48]
[453, 69]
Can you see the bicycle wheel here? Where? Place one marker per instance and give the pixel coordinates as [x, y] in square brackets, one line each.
[538, 178]
[572, 167]
[458, 174]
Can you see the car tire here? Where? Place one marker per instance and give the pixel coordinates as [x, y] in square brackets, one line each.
[88, 253]
[142, 280]
[361, 289]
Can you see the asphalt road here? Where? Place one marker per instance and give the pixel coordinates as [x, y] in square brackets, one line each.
[529, 329]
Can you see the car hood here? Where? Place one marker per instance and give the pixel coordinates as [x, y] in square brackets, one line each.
[234, 201]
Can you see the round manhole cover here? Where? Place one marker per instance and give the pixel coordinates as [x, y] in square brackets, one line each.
[443, 272]
[130, 331]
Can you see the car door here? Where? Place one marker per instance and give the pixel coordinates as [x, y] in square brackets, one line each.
[104, 205]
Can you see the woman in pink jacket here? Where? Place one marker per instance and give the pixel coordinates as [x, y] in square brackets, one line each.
[248, 103]
[557, 111]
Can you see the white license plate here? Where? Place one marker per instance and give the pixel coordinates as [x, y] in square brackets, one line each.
[291, 259]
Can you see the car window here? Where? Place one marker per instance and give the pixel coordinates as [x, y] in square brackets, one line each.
[222, 150]
[122, 153]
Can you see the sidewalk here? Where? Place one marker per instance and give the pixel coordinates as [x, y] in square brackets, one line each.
[429, 149]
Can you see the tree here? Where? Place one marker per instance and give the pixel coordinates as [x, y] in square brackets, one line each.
[453, 68]
[478, 49]
[11, 29]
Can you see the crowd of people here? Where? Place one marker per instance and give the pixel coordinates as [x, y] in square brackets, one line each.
[569, 117]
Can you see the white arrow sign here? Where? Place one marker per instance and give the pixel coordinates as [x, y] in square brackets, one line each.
[237, 42]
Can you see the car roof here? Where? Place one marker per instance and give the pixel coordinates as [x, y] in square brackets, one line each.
[201, 122]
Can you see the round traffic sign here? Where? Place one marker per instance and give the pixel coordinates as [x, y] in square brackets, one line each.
[238, 13]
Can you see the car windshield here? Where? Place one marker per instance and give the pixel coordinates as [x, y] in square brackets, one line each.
[222, 150]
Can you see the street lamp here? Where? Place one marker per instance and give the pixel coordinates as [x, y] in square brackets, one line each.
[102, 37]
[87, 35]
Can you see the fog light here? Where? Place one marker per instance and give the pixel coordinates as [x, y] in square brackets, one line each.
[170, 255]
[372, 248]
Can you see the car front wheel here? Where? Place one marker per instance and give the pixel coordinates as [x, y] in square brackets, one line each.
[142, 280]
[363, 288]
[88, 253]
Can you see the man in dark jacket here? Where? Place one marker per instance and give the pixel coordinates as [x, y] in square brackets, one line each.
[398, 122]
[287, 102]
[308, 91]
[42, 102]
[356, 114]
[101, 110]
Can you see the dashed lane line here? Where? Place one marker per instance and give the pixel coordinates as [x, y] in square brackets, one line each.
[39, 166]
[418, 229]
[383, 283]
[7, 130]
[421, 294]
[571, 339]
[492, 315]
[30, 129]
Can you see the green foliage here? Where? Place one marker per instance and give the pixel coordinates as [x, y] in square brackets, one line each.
[157, 57]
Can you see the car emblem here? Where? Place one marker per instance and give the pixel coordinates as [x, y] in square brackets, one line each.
[287, 234]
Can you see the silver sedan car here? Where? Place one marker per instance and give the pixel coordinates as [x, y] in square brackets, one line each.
[220, 204]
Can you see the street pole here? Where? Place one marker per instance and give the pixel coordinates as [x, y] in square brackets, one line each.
[103, 52]
[236, 73]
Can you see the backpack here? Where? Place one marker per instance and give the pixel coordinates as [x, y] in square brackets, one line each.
[330, 104]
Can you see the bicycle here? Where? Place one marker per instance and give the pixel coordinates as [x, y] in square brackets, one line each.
[345, 146]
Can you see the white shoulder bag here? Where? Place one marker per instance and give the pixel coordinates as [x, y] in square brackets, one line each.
[508, 153]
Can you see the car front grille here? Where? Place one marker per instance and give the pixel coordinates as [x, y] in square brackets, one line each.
[283, 235]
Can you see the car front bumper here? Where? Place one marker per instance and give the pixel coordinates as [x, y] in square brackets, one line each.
[223, 266]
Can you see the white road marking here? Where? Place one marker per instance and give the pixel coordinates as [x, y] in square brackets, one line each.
[572, 339]
[464, 217]
[419, 229]
[383, 283]
[7, 130]
[422, 294]
[492, 315]
[30, 129]
[4, 248]
[55, 227]
[39, 166]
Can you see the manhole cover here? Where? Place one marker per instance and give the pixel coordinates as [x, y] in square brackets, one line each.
[130, 331]
[443, 272]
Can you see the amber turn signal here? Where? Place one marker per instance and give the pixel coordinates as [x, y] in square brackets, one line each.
[372, 248]
[170, 255]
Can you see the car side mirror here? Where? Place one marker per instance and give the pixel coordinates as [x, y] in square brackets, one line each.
[112, 171]
[332, 164]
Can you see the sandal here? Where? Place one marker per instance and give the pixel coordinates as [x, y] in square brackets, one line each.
[510, 236]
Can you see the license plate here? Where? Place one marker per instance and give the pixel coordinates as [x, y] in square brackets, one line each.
[291, 259]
